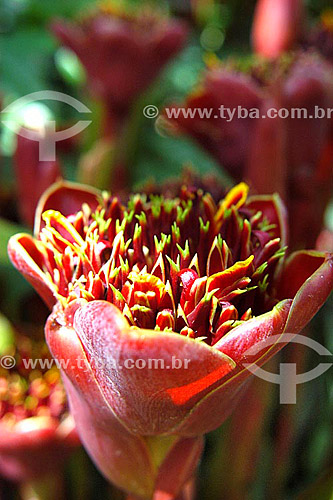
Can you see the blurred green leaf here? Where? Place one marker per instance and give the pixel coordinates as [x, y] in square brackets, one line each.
[7, 229]
[320, 490]
[24, 57]
[69, 66]
[45, 10]
[162, 157]
[13, 286]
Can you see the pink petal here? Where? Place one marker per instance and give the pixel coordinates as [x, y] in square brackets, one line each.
[67, 198]
[148, 401]
[24, 253]
[121, 456]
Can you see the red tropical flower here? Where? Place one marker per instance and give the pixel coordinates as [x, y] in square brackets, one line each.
[298, 150]
[156, 303]
[289, 155]
[276, 26]
[36, 432]
[226, 140]
[123, 52]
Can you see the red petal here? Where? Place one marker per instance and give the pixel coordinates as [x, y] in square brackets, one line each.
[275, 211]
[219, 403]
[67, 198]
[289, 316]
[298, 268]
[150, 400]
[253, 331]
[24, 253]
[276, 26]
[33, 448]
[178, 467]
[313, 272]
[121, 456]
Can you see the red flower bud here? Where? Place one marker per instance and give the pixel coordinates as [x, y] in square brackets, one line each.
[122, 52]
[33, 176]
[272, 131]
[277, 25]
[36, 432]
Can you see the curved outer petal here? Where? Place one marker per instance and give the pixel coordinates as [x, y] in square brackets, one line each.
[275, 211]
[35, 447]
[314, 274]
[67, 198]
[136, 369]
[219, 404]
[24, 252]
[155, 401]
[123, 457]
[118, 454]
[190, 400]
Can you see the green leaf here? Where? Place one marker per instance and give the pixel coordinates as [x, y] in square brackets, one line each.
[321, 489]
[7, 230]
[24, 58]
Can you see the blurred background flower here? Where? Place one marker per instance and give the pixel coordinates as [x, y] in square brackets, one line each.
[37, 433]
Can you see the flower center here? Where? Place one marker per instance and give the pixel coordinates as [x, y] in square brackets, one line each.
[184, 265]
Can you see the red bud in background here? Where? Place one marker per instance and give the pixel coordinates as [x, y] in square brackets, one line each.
[277, 25]
[288, 151]
[123, 52]
[37, 433]
[228, 139]
[33, 176]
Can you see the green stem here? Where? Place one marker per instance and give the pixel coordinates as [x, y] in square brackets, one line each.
[50, 487]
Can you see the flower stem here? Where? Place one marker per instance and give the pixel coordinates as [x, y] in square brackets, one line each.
[50, 487]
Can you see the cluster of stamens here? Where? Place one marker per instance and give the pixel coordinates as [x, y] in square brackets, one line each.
[186, 265]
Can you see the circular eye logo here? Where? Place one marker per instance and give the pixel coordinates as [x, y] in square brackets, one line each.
[288, 379]
[48, 140]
